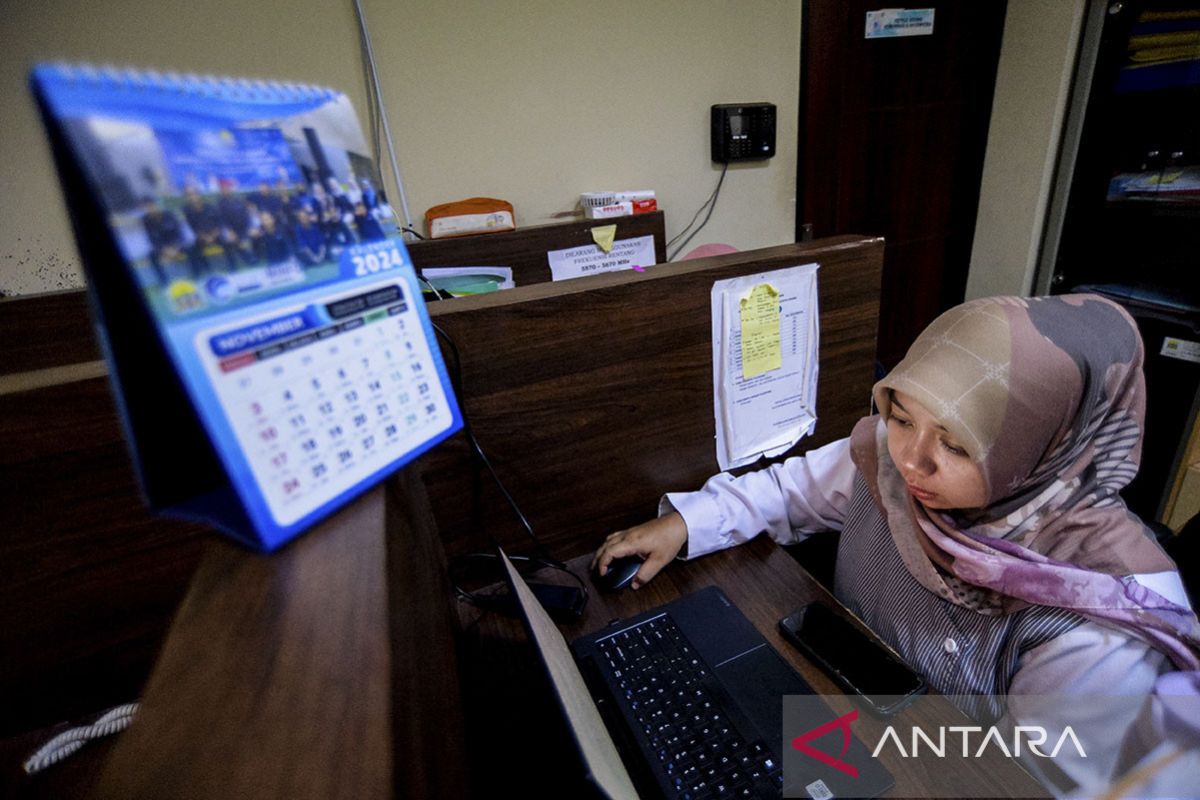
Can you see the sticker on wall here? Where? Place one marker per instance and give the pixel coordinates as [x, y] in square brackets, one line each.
[1181, 349]
[890, 22]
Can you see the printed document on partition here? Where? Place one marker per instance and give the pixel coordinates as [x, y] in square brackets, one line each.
[764, 363]
[592, 259]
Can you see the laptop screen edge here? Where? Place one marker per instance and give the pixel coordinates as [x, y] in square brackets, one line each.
[599, 752]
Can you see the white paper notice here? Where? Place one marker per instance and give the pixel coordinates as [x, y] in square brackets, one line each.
[589, 259]
[765, 414]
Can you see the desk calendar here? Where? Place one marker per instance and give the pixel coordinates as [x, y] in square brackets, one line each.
[267, 339]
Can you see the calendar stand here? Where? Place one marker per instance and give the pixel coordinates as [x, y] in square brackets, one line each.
[268, 345]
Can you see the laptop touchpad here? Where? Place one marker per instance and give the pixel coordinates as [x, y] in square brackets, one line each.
[757, 681]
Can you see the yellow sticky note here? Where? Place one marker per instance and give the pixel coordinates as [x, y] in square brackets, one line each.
[603, 236]
[761, 350]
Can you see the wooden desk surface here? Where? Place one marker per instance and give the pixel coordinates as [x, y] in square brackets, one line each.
[516, 735]
[325, 670]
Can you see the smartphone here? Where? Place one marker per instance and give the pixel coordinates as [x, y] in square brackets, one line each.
[852, 659]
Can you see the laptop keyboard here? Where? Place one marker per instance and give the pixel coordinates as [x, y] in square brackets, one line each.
[683, 712]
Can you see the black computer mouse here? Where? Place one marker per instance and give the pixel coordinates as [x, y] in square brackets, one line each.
[620, 573]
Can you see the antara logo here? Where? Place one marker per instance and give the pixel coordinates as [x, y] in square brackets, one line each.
[1035, 737]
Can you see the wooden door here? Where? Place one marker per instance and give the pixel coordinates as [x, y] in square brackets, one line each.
[892, 138]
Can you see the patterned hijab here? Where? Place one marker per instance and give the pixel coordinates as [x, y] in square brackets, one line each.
[1047, 396]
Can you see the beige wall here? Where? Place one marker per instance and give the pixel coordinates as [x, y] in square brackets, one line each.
[532, 101]
[261, 39]
[1032, 87]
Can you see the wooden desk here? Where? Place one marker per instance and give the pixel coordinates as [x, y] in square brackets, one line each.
[516, 736]
[342, 666]
[325, 670]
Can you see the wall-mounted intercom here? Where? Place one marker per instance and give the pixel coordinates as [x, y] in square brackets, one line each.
[743, 131]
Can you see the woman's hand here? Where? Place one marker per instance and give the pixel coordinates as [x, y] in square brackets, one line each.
[656, 542]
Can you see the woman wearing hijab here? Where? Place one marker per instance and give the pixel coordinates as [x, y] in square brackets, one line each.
[982, 534]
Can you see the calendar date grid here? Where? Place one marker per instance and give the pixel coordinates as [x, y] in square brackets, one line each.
[319, 411]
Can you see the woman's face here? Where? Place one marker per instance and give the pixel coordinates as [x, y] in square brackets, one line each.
[937, 468]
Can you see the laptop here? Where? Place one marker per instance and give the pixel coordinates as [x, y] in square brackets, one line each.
[683, 701]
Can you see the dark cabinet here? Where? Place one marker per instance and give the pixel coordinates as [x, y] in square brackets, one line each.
[1126, 218]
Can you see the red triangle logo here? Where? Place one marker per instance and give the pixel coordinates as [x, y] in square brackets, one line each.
[843, 722]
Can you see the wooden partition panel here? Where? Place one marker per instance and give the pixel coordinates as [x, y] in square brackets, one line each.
[525, 248]
[274, 680]
[428, 741]
[91, 576]
[44, 331]
[325, 670]
[593, 397]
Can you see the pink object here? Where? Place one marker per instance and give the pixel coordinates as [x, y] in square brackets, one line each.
[705, 250]
[639, 269]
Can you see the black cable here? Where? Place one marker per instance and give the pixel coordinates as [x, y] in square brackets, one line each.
[502, 600]
[688, 227]
[412, 231]
[455, 370]
[712, 204]
[457, 566]
[699, 211]
[456, 382]
[436, 292]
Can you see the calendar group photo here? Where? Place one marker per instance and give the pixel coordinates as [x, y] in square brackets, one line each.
[260, 192]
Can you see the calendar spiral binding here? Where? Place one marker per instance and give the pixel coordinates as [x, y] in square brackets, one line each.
[111, 76]
[171, 98]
